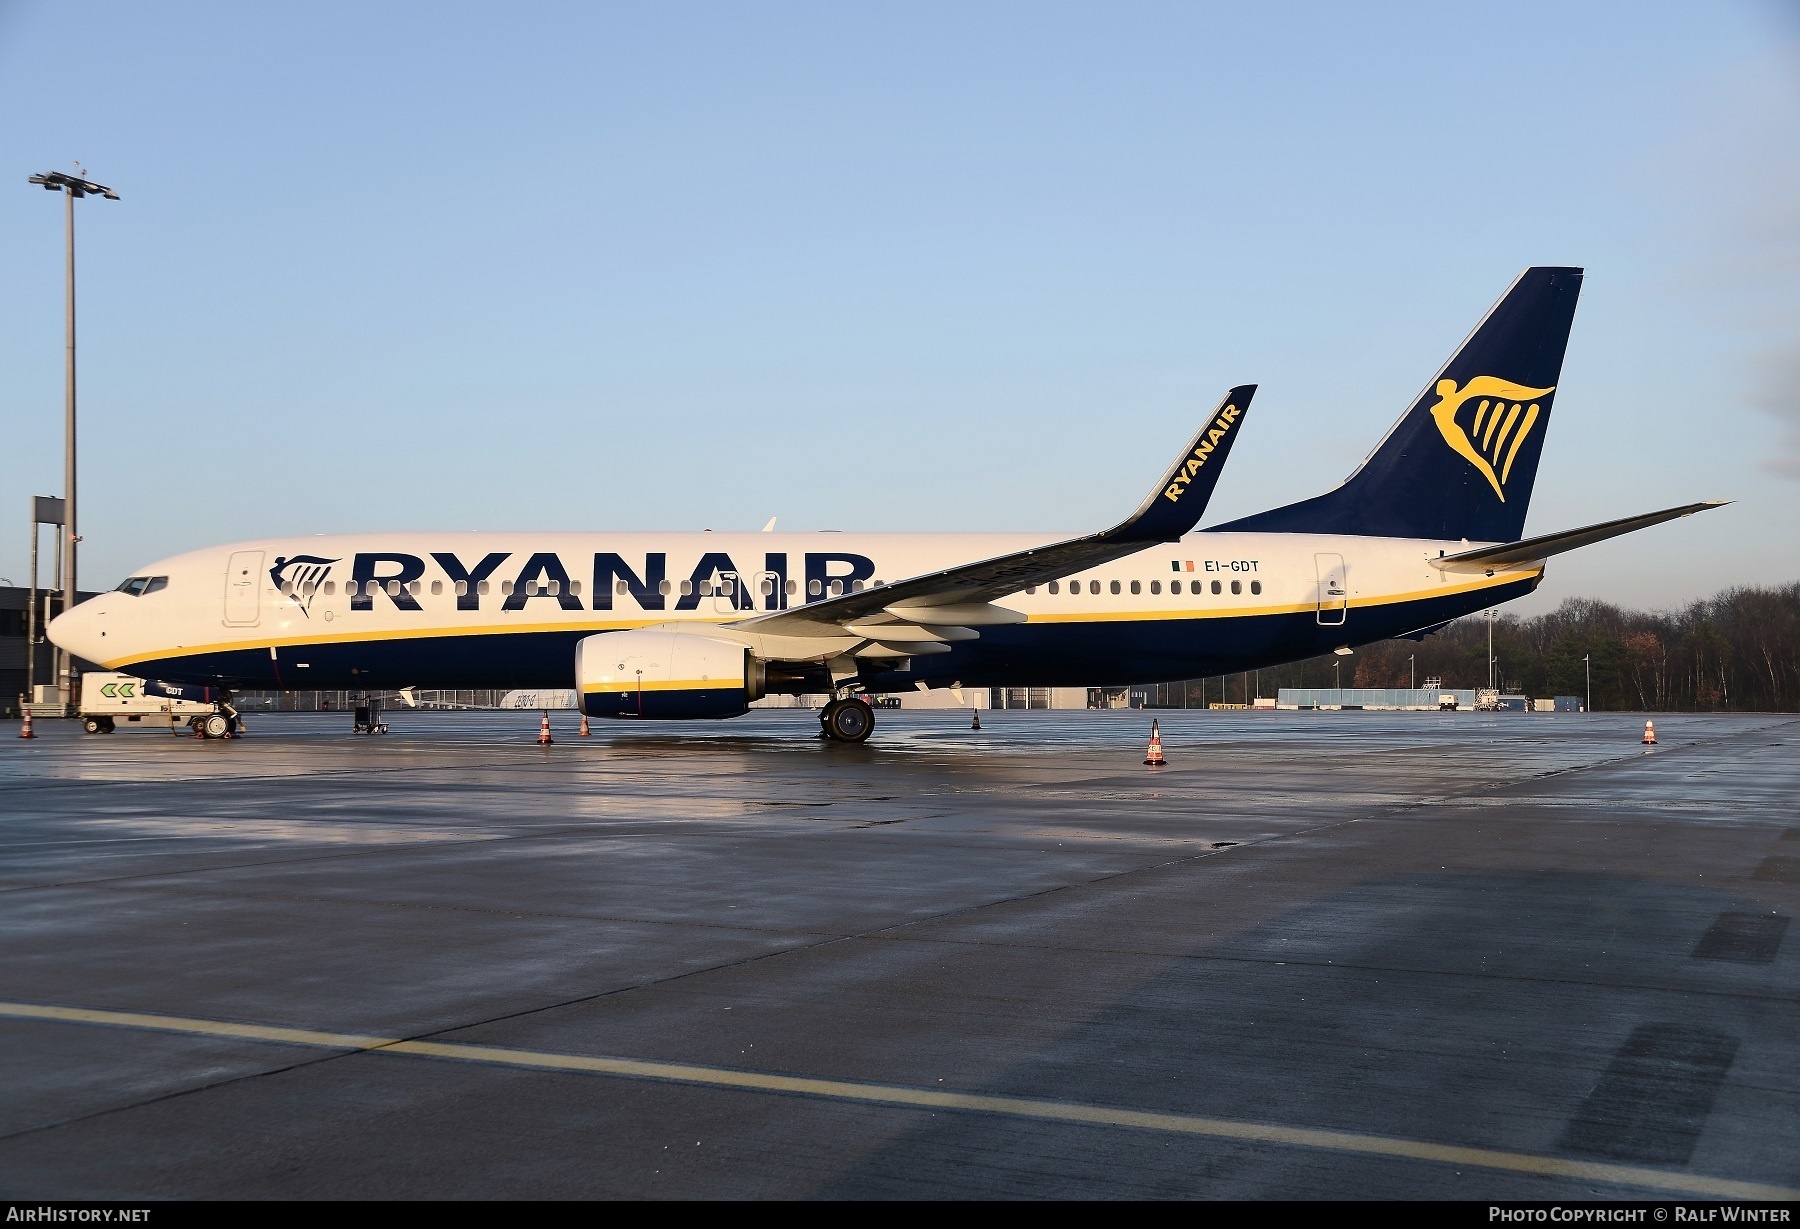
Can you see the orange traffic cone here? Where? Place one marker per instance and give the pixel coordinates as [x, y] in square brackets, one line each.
[1155, 757]
[584, 729]
[1649, 733]
[544, 739]
[25, 730]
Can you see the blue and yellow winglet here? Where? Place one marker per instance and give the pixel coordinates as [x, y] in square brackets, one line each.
[1180, 499]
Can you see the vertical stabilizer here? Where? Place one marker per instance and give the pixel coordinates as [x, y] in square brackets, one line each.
[1462, 461]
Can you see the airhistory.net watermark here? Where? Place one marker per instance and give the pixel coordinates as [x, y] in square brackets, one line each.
[50, 1214]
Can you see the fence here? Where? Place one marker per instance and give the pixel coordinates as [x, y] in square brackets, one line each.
[1371, 697]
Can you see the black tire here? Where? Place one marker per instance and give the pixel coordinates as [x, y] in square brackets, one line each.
[215, 726]
[92, 725]
[849, 721]
[106, 725]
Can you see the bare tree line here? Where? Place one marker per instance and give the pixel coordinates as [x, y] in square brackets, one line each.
[1738, 651]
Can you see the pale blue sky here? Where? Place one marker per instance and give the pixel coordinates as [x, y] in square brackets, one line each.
[914, 266]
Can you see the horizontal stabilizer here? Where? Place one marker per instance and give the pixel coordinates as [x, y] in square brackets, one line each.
[1531, 550]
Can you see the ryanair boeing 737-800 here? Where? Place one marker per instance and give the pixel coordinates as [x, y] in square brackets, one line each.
[698, 625]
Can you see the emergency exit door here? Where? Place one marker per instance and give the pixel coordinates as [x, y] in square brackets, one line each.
[1334, 590]
[243, 588]
[766, 593]
[727, 594]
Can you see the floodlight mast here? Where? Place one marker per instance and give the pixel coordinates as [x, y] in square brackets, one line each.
[71, 187]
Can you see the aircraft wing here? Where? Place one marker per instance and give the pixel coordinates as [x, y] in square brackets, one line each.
[959, 596]
[1530, 550]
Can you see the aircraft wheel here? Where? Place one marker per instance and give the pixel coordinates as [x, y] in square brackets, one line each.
[849, 721]
[215, 726]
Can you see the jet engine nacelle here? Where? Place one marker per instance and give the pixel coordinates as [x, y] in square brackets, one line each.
[663, 674]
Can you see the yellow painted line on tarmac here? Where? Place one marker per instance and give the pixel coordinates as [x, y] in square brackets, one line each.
[928, 1098]
[194, 1027]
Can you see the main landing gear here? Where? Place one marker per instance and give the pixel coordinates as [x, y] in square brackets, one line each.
[849, 720]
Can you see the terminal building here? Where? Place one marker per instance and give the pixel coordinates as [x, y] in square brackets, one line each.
[1391, 698]
[15, 609]
[564, 698]
[1420, 699]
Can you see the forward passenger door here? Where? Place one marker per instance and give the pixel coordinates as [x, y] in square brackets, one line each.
[243, 588]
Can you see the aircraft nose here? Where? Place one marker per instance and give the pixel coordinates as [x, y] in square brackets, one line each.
[80, 630]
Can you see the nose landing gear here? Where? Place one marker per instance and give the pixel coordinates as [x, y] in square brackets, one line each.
[214, 725]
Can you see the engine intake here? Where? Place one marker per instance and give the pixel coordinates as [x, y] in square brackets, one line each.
[665, 675]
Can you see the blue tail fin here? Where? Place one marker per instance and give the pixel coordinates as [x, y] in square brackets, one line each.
[1461, 462]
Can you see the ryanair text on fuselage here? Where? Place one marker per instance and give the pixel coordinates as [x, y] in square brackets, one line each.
[771, 585]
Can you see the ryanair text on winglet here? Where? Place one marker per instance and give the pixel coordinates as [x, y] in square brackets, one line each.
[1222, 425]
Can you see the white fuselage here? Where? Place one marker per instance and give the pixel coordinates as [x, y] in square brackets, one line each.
[281, 612]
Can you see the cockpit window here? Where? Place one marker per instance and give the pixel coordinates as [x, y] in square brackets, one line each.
[137, 586]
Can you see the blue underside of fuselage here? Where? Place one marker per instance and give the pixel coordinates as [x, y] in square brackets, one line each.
[1070, 654]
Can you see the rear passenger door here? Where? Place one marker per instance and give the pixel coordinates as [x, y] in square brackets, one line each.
[1334, 590]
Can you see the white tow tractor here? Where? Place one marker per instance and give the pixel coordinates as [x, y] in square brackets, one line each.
[109, 698]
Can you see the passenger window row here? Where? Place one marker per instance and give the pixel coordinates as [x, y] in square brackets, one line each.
[533, 588]
[1197, 586]
[816, 588]
[139, 585]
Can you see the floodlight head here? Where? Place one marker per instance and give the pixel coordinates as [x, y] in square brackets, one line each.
[56, 181]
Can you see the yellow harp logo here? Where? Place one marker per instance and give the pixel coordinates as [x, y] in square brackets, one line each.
[1498, 424]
